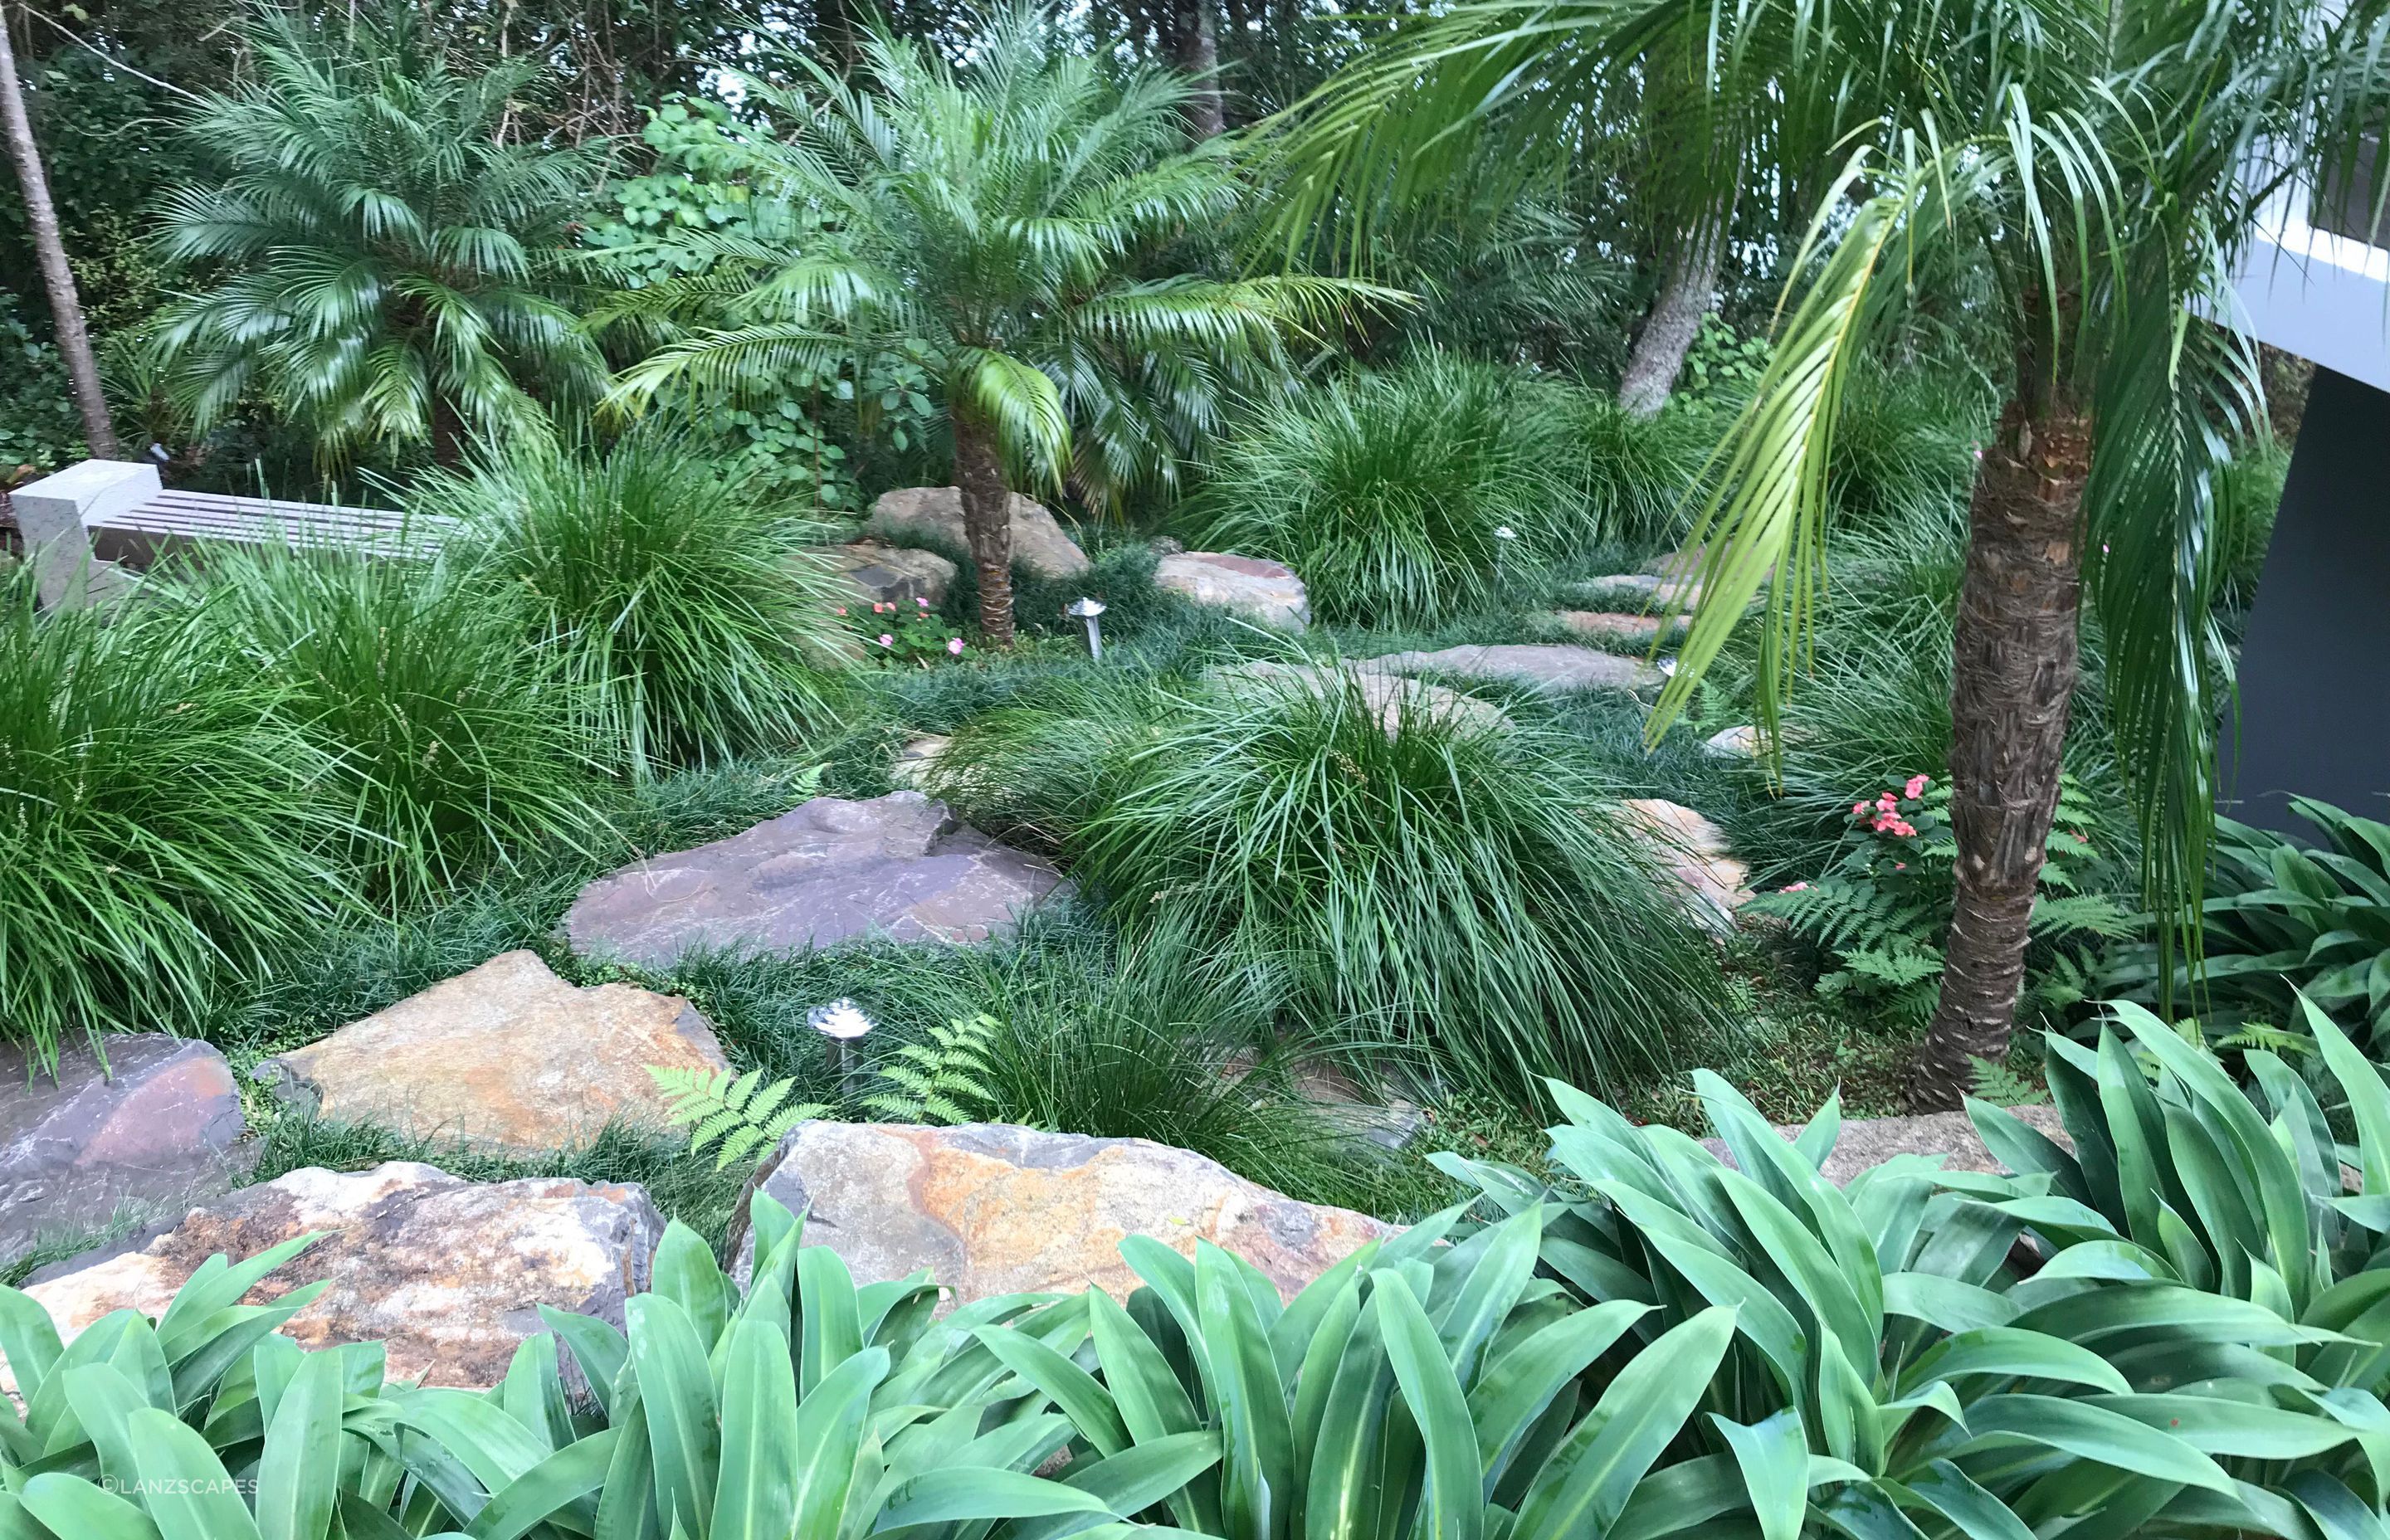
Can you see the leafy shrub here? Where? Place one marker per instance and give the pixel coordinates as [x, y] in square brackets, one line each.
[449, 741]
[38, 429]
[158, 822]
[1905, 443]
[1384, 491]
[1881, 911]
[2248, 494]
[2191, 1247]
[2284, 920]
[1443, 886]
[900, 633]
[684, 615]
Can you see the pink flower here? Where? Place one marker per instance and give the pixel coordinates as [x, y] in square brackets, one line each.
[880, 609]
[1916, 787]
[842, 610]
[955, 646]
[1903, 828]
[886, 640]
[1793, 888]
[1858, 810]
[1888, 802]
[922, 602]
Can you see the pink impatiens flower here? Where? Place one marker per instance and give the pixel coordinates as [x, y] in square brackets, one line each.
[842, 610]
[1916, 786]
[1793, 888]
[1858, 810]
[955, 646]
[922, 602]
[886, 640]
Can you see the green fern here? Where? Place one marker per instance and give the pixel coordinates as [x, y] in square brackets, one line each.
[942, 1081]
[2003, 1084]
[743, 1113]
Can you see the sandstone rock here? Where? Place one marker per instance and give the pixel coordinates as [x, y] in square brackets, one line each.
[1865, 1143]
[893, 574]
[160, 1128]
[1695, 849]
[936, 514]
[826, 872]
[1263, 591]
[918, 759]
[991, 1209]
[1165, 544]
[1540, 666]
[506, 1056]
[1641, 630]
[1639, 591]
[1391, 698]
[449, 1273]
[1732, 743]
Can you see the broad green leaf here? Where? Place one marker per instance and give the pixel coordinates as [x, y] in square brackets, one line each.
[600, 1349]
[755, 1496]
[1452, 1505]
[830, 1328]
[1257, 1464]
[824, 1440]
[942, 1496]
[2011, 1353]
[75, 1510]
[1518, 1385]
[188, 1493]
[1072, 1389]
[676, 1397]
[549, 1488]
[1774, 1458]
[2096, 1434]
[298, 1474]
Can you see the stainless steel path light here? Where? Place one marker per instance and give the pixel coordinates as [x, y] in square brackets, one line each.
[841, 1024]
[1087, 609]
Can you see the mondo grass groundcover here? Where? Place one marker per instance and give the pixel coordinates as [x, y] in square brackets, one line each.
[1656, 1344]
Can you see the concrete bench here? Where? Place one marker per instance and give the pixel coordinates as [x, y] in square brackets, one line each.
[90, 527]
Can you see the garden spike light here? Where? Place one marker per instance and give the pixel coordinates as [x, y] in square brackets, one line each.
[841, 1024]
[1087, 609]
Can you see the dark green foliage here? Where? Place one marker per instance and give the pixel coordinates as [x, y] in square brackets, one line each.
[2248, 493]
[38, 429]
[1384, 491]
[385, 257]
[1639, 474]
[2284, 918]
[1905, 445]
[1455, 891]
[1881, 911]
[685, 623]
[450, 742]
[157, 821]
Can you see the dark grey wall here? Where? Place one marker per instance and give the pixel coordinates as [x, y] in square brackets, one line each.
[2315, 663]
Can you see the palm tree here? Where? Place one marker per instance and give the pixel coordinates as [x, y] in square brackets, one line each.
[2103, 158]
[995, 219]
[386, 261]
[42, 217]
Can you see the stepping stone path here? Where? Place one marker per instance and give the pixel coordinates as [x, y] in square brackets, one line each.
[1865, 1143]
[507, 1056]
[449, 1273]
[918, 759]
[1641, 630]
[936, 514]
[1695, 849]
[991, 1209]
[827, 872]
[1732, 743]
[1555, 666]
[881, 573]
[1263, 591]
[160, 1127]
[1391, 698]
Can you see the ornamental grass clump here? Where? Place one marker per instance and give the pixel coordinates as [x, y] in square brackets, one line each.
[160, 823]
[1456, 892]
[1385, 490]
[688, 623]
[449, 741]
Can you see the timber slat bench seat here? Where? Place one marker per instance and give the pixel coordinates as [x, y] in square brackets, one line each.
[90, 526]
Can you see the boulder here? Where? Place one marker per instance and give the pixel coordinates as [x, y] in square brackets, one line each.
[917, 760]
[881, 573]
[991, 1209]
[506, 1057]
[448, 1274]
[1539, 665]
[1695, 849]
[1740, 743]
[158, 1127]
[1266, 592]
[826, 872]
[1865, 1143]
[935, 514]
[1391, 698]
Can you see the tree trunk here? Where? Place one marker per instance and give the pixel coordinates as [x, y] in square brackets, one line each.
[988, 523]
[1199, 56]
[42, 219]
[1687, 289]
[2012, 681]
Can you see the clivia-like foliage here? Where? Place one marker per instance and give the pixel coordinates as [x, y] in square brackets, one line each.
[2176, 1328]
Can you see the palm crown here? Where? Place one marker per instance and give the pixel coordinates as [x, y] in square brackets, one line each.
[995, 216]
[2104, 163]
[387, 261]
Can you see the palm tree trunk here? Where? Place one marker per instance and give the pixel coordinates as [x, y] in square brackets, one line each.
[42, 219]
[1199, 56]
[2012, 682]
[1687, 289]
[988, 523]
